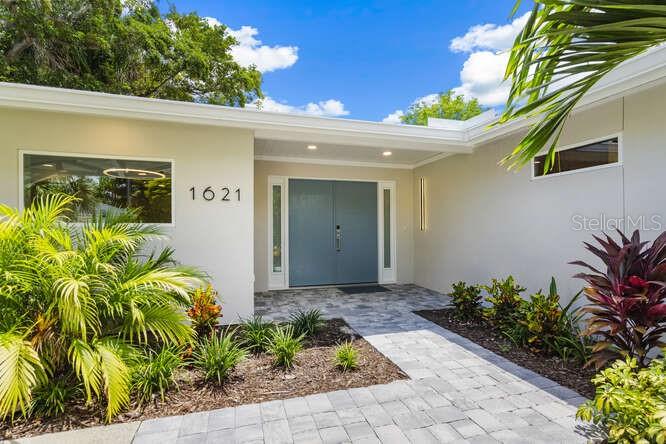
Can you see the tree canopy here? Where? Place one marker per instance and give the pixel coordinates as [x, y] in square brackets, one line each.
[565, 48]
[122, 47]
[447, 106]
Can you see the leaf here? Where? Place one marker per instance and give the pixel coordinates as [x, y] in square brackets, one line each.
[20, 371]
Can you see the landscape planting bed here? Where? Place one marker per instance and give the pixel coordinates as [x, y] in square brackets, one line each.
[254, 380]
[568, 374]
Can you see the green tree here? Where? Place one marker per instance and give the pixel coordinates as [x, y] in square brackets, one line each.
[447, 106]
[565, 48]
[122, 47]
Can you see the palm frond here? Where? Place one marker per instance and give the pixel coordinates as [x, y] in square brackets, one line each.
[20, 371]
[565, 48]
[76, 306]
[167, 280]
[167, 323]
[85, 361]
[116, 375]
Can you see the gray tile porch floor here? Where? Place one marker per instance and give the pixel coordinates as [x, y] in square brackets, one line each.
[458, 391]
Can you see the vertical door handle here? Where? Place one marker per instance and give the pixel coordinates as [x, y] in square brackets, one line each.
[338, 238]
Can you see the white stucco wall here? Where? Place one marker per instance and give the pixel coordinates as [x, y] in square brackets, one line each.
[404, 205]
[485, 222]
[215, 236]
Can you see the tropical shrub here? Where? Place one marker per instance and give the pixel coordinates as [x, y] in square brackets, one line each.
[505, 302]
[256, 333]
[155, 373]
[466, 300]
[51, 398]
[545, 326]
[204, 311]
[283, 344]
[628, 300]
[217, 355]
[77, 303]
[346, 357]
[306, 323]
[630, 402]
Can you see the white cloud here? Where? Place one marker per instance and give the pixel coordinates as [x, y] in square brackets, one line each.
[250, 51]
[328, 108]
[482, 77]
[482, 74]
[394, 117]
[489, 36]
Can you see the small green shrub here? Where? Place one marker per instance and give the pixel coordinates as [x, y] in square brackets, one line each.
[545, 326]
[346, 357]
[154, 374]
[218, 355]
[51, 398]
[256, 333]
[283, 345]
[466, 300]
[505, 300]
[306, 323]
[630, 402]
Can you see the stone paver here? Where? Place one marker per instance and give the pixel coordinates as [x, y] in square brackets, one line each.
[458, 391]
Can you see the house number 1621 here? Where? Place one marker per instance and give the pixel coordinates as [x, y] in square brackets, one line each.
[209, 194]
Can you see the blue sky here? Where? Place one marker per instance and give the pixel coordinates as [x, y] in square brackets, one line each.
[367, 60]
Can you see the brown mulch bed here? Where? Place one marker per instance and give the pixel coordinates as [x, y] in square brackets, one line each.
[568, 374]
[254, 380]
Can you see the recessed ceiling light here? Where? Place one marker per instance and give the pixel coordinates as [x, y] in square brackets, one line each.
[312, 147]
[48, 165]
[386, 153]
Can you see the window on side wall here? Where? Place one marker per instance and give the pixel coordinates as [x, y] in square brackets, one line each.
[103, 185]
[591, 155]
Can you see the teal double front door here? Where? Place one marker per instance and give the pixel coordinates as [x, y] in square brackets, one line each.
[332, 232]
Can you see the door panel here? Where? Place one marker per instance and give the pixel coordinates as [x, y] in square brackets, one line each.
[312, 258]
[316, 209]
[356, 215]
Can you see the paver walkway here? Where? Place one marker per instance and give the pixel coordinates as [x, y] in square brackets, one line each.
[458, 391]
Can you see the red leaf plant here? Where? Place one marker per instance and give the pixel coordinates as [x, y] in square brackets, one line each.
[628, 302]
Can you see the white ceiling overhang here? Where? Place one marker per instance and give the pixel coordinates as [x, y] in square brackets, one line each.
[430, 142]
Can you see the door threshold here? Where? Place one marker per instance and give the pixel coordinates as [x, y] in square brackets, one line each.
[314, 287]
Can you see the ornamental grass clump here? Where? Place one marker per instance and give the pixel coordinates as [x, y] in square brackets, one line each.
[218, 355]
[627, 299]
[77, 304]
[154, 374]
[256, 333]
[630, 402]
[466, 300]
[284, 345]
[306, 323]
[346, 357]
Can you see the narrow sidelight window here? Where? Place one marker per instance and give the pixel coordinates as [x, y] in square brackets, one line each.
[277, 228]
[387, 228]
[422, 204]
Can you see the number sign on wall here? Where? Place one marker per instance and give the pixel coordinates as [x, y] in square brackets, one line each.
[209, 194]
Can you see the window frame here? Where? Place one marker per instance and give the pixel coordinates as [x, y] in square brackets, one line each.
[619, 163]
[21, 163]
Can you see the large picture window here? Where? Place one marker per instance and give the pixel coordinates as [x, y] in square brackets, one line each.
[102, 185]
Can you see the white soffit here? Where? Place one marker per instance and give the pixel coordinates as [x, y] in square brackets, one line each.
[444, 137]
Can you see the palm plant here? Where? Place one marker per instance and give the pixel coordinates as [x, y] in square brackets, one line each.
[79, 302]
[565, 48]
